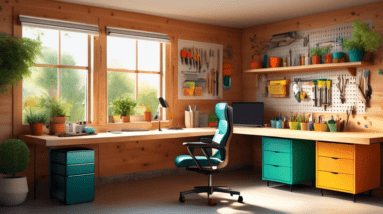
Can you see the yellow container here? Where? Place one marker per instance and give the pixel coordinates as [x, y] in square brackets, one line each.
[277, 89]
[319, 127]
[279, 82]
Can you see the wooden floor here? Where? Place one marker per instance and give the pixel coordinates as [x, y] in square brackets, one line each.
[160, 195]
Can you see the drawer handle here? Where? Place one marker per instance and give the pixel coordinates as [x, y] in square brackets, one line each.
[275, 165]
[334, 173]
[334, 158]
[276, 151]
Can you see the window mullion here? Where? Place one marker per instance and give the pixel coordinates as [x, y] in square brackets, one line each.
[59, 69]
[136, 70]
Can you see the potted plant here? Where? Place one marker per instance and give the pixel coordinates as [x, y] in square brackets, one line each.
[362, 39]
[123, 106]
[257, 48]
[317, 52]
[36, 121]
[57, 111]
[212, 119]
[14, 158]
[148, 114]
[16, 58]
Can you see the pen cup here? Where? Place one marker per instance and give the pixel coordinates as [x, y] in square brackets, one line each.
[304, 126]
[283, 124]
[319, 127]
[310, 126]
[332, 127]
[295, 126]
[278, 124]
[273, 123]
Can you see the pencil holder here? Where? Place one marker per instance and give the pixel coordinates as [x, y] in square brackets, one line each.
[278, 124]
[332, 127]
[283, 124]
[304, 126]
[319, 127]
[273, 123]
[310, 126]
[295, 126]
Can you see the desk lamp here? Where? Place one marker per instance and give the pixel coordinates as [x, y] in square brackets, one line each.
[164, 104]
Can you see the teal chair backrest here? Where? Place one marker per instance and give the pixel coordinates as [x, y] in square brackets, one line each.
[224, 128]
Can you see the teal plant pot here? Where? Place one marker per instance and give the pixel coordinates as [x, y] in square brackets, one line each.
[338, 55]
[355, 55]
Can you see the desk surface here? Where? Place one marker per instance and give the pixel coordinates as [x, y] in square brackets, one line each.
[365, 138]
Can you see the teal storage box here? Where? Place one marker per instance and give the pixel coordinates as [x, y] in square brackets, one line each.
[288, 161]
[72, 175]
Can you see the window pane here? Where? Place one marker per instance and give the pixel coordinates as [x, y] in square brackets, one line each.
[50, 43]
[120, 84]
[148, 91]
[148, 55]
[74, 49]
[121, 53]
[73, 93]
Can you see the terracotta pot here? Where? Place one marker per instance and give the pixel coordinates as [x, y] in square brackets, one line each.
[329, 58]
[125, 119]
[315, 60]
[36, 129]
[148, 116]
[57, 128]
[58, 120]
[275, 62]
[256, 65]
[212, 124]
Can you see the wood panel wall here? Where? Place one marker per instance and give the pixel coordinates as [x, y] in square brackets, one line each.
[120, 158]
[374, 113]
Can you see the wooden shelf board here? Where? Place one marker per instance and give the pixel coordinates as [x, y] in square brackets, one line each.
[307, 68]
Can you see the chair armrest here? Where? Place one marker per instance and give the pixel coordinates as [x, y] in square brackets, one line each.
[213, 145]
[206, 139]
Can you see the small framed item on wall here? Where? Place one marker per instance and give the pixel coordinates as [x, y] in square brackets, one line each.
[200, 75]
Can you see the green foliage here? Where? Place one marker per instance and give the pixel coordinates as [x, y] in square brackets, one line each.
[212, 118]
[14, 156]
[320, 51]
[123, 106]
[119, 84]
[362, 38]
[36, 117]
[257, 47]
[16, 58]
[54, 106]
[148, 109]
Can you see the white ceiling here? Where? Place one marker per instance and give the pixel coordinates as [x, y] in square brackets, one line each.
[228, 13]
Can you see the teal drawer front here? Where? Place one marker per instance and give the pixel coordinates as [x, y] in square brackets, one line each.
[74, 189]
[276, 173]
[277, 158]
[276, 144]
[68, 170]
[73, 156]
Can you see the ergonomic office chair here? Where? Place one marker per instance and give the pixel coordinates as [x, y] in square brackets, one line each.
[211, 164]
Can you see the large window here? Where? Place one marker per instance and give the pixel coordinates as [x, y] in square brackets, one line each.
[136, 70]
[62, 71]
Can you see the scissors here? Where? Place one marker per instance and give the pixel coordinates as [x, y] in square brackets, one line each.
[342, 88]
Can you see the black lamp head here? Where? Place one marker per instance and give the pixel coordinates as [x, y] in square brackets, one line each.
[163, 103]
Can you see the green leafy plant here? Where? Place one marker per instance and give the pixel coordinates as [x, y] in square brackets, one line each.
[148, 109]
[14, 156]
[362, 38]
[54, 106]
[17, 56]
[257, 47]
[123, 106]
[212, 118]
[320, 51]
[36, 117]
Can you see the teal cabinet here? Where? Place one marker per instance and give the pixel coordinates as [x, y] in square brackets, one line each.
[72, 175]
[288, 161]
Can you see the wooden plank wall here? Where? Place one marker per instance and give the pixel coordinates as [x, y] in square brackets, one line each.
[374, 114]
[120, 158]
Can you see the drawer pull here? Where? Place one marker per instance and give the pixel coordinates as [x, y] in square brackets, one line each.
[275, 165]
[334, 158]
[276, 151]
[334, 173]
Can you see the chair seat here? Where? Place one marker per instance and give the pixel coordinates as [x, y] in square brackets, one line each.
[187, 160]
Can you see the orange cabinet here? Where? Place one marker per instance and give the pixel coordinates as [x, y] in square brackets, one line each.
[347, 168]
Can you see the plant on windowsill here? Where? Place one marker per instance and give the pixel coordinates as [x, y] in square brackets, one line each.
[212, 119]
[148, 114]
[123, 106]
[36, 121]
[257, 49]
[57, 109]
[317, 52]
[362, 39]
[17, 56]
[14, 158]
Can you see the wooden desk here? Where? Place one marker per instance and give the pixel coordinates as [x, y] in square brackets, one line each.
[365, 138]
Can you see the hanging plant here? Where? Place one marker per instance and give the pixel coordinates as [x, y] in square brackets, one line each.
[17, 56]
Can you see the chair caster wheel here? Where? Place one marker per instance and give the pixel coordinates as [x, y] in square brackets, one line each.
[231, 195]
[240, 199]
[182, 199]
[212, 202]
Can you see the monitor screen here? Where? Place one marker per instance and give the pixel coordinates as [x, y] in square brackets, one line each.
[248, 113]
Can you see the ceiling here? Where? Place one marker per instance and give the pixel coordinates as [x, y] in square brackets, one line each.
[227, 13]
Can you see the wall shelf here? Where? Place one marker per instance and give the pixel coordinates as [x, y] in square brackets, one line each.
[350, 66]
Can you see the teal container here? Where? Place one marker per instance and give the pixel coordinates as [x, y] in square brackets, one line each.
[278, 124]
[331, 127]
[288, 161]
[72, 175]
[273, 123]
[355, 55]
[338, 55]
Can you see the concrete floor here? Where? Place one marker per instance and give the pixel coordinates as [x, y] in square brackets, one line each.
[160, 195]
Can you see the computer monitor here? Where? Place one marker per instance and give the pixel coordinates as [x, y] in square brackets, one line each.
[248, 113]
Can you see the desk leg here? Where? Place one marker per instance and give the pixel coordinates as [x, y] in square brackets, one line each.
[267, 183]
[50, 176]
[370, 193]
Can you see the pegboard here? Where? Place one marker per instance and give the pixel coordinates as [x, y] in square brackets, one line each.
[316, 36]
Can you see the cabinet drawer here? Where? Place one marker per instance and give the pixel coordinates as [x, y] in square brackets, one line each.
[276, 144]
[277, 158]
[72, 156]
[67, 170]
[277, 173]
[336, 165]
[335, 181]
[335, 150]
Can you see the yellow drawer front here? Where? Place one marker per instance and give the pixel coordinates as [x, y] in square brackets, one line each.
[333, 181]
[335, 150]
[336, 165]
